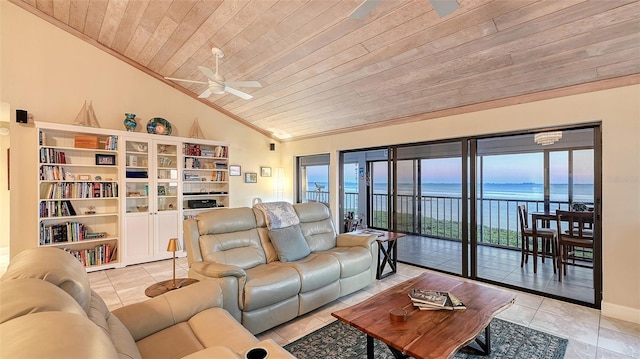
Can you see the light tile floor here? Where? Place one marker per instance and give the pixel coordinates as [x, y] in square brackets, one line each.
[590, 334]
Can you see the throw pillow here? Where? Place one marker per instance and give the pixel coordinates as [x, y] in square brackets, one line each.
[289, 243]
[278, 214]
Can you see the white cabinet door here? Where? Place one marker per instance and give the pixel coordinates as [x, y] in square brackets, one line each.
[167, 226]
[137, 238]
[152, 210]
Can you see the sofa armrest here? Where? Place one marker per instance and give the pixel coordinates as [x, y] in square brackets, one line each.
[353, 240]
[218, 270]
[176, 306]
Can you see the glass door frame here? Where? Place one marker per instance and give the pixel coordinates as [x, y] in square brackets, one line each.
[470, 170]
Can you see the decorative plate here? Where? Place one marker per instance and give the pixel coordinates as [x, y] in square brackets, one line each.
[159, 126]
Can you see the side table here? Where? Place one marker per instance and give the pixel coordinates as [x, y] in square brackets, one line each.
[167, 285]
[387, 250]
[388, 254]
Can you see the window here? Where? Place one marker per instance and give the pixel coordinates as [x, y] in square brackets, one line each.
[313, 179]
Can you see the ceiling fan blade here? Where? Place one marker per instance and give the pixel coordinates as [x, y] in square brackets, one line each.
[243, 83]
[364, 9]
[205, 94]
[208, 72]
[238, 93]
[444, 7]
[183, 80]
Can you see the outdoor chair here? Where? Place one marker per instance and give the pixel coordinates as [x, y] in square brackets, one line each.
[577, 235]
[530, 236]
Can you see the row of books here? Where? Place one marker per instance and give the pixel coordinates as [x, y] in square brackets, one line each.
[219, 176]
[196, 163]
[215, 176]
[197, 150]
[111, 143]
[56, 209]
[80, 190]
[63, 232]
[102, 254]
[435, 300]
[50, 155]
[55, 173]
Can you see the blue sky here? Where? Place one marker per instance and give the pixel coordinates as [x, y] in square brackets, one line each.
[517, 168]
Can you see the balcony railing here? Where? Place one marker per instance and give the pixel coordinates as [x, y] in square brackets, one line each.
[319, 196]
[441, 216]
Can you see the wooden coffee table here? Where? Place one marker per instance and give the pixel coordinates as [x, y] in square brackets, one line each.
[428, 333]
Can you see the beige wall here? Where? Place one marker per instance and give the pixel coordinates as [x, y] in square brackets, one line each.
[4, 183]
[51, 73]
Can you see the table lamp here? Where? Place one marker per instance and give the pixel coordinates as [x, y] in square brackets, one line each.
[173, 246]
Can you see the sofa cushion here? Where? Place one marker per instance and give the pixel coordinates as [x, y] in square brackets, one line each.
[289, 243]
[175, 341]
[225, 221]
[218, 320]
[316, 225]
[56, 267]
[268, 284]
[29, 295]
[241, 248]
[263, 232]
[316, 270]
[278, 214]
[353, 260]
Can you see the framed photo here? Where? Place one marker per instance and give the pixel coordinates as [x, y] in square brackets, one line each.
[162, 191]
[105, 160]
[83, 177]
[234, 170]
[250, 177]
[265, 171]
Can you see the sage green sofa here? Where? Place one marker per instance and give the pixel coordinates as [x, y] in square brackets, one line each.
[234, 247]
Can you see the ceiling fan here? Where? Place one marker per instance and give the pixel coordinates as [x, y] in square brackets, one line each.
[216, 83]
[442, 8]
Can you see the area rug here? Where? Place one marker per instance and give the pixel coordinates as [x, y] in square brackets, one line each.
[508, 340]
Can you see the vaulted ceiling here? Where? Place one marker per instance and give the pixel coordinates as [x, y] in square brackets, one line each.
[322, 72]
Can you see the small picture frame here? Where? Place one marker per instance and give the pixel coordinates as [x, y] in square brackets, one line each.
[235, 170]
[250, 177]
[265, 171]
[83, 177]
[105, 160]
[162, 191]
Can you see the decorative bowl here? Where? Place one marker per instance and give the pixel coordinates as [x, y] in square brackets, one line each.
[159, 126]
[142, 208]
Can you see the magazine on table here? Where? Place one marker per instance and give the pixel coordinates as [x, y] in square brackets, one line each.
[435, 300]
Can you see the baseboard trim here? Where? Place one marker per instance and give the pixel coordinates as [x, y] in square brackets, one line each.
[620, 312]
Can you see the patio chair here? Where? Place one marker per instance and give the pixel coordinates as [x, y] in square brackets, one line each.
[577, 235]
[530, 236]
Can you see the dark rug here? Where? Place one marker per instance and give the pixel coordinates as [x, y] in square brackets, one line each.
[508, 340]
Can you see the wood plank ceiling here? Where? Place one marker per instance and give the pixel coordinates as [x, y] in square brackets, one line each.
[324, 73]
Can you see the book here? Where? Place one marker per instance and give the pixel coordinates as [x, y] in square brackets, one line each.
[435, 300]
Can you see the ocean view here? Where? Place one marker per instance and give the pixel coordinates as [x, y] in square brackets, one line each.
[498, 204]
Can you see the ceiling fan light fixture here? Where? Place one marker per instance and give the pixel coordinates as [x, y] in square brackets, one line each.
[547, 138]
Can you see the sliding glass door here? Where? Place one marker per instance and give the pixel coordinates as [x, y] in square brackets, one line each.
[516, 171]
[457, 202]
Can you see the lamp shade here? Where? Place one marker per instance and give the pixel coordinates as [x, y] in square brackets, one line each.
[173, 245]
